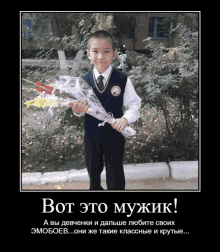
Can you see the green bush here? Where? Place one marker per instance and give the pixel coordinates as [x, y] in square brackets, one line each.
[169, 82]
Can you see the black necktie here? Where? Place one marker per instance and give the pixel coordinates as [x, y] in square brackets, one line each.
[100, 82]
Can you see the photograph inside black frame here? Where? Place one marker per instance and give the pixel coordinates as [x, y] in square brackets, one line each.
[109, 101]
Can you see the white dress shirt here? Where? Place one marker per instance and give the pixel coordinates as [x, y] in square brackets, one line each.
[131, 101]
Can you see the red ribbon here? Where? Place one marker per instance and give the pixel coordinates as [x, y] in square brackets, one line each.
[39, 88]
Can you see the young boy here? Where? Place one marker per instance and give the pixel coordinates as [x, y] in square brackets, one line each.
[115, 92]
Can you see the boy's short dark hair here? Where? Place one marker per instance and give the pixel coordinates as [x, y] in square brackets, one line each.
[102, 34]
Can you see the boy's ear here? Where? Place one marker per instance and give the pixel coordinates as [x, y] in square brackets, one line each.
[88, 54]
[115, 54]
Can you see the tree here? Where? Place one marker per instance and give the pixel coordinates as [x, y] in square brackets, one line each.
[58, 43]
[124, 25]
[61, 33]
[62, 30]
[169, 82]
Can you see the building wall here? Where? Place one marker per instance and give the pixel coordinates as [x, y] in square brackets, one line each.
[142, 30]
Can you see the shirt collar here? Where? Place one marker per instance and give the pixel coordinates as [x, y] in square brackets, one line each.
[105, 74]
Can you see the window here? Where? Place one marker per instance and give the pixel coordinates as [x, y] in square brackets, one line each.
[29, 26]
[23, 30]
[43, 32]
[26, 28]
[158, 28]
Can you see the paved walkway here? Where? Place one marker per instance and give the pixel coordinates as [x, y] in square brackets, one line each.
[134, 185]
[150, 176]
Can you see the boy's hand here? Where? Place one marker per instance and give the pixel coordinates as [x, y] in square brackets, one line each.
[57, 91]
[79, 106]
[119, 124]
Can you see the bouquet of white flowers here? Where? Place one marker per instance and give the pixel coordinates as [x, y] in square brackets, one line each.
[76, 88]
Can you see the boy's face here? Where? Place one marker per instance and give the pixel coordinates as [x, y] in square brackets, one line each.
[101, 53]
